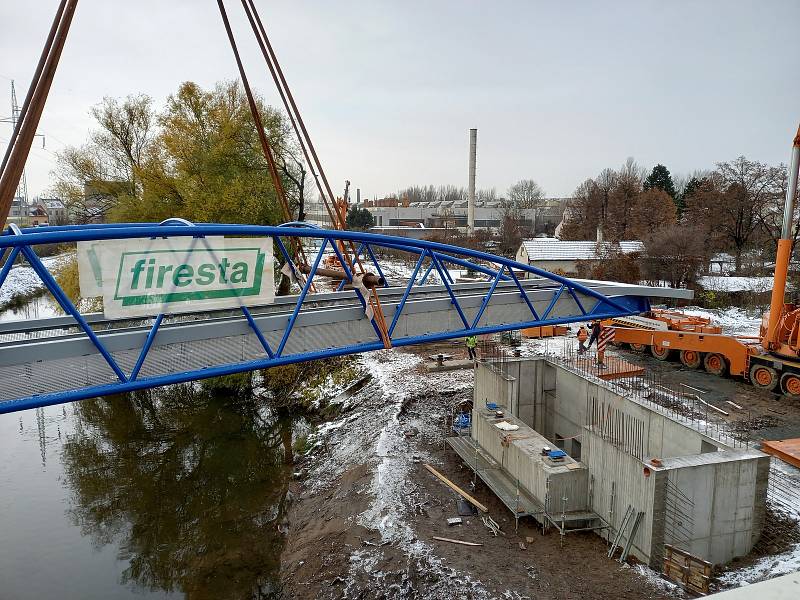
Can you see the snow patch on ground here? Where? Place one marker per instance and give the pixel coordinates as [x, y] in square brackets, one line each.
[718, 283]
[655, 580]
[22, 279]
[734, 320]
[766, 568]
[375, 434]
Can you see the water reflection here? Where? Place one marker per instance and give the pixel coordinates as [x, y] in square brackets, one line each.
[190, 485]
[40, 307]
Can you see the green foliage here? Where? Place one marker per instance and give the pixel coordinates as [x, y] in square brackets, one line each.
[236, 385]
[360, 218]
[198, 158]
[660, 178]
[693, 187]
[67, 278]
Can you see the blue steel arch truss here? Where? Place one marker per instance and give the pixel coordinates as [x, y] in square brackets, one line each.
[431, 258]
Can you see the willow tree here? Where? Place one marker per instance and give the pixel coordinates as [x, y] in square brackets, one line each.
[198, 158]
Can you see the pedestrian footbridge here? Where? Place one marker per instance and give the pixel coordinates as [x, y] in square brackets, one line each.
[62, 359]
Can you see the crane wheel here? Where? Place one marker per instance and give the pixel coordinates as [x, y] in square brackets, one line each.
[660, 352]
[691, 359]
[715, 364]
[764, 377]
[638, 347]
[790, 385]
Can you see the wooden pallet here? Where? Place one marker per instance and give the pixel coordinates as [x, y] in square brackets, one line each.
[787, 450]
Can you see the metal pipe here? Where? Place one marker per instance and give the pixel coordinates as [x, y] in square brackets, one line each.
[48, 44]
[473, 152]
[262, 136]
[254, 22]
[9, 179]
[784, 253]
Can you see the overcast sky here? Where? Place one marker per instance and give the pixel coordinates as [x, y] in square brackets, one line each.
[389, 89]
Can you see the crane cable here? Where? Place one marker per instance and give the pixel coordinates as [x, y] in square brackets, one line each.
[297, 246]
[335, 211]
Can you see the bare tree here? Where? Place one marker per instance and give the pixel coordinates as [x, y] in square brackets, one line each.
[92, 178]
[675, 254]
[732, 202]
[526, 193]
[771, 216]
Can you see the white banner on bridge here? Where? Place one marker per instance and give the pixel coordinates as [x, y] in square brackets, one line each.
[145, 277]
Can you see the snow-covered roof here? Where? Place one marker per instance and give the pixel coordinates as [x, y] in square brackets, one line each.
[554, 249]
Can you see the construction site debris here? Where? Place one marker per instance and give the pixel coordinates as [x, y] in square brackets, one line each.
[492, 525]
[454, 521]
[465, 509]
[455, 488]
[452, 541]
[506, 426]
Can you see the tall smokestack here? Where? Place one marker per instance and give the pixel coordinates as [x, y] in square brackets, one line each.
[358, 196]
[473, 143]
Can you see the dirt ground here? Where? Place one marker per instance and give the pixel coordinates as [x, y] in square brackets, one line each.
[327, 547]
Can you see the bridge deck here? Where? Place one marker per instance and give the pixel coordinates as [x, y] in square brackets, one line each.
[50, 361]
[31, 351]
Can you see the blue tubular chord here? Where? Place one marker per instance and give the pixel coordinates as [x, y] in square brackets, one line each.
[107, 232]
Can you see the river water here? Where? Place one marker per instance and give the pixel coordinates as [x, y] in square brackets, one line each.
[172, 493]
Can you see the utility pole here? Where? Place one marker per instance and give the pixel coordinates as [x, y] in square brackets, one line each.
[22, 188]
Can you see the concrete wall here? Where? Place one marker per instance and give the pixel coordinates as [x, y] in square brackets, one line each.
[566, 415]
[726, 496]
[617, 480]
[720, 492]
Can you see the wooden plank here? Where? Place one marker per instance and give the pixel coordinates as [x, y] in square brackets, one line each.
[787, 450]
[452, 541]
[455, 488]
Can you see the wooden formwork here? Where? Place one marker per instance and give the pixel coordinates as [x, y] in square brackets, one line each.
[688, 571]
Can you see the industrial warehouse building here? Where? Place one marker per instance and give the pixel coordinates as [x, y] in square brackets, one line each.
[634, 472]
[403, 215]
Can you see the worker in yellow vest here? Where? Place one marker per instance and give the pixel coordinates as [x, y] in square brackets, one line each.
[472, 341]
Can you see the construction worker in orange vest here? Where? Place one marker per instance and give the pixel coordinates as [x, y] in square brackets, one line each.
[583, 335]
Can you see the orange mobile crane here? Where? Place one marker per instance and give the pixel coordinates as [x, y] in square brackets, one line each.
[769, 361]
